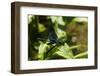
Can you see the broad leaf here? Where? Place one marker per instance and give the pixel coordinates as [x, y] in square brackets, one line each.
[65, 52]
[42, 49]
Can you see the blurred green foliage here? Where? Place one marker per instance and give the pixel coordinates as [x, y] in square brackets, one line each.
[71, 33]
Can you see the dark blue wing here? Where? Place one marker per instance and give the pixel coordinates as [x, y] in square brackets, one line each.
[52, 36]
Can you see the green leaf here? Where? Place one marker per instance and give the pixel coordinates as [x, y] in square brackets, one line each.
[52, 52]
[42, 49]
[75, 46]
[65, 52]
[81, 54]
[41, 27]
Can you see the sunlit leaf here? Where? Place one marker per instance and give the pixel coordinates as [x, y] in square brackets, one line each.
[80, 19]
[65, 52]
[53, 18]
[60, 21]
[42, 49]
[81, 54]
[75, 46]
[30, 17]
[61, 33]
[41, 28]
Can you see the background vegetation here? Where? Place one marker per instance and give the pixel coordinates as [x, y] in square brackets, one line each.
[57, 37]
